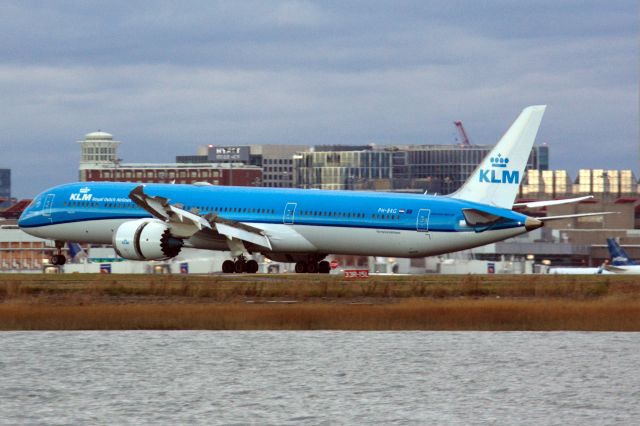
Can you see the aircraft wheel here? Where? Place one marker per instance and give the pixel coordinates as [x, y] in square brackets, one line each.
[240, 266]
[228, 267]
[301, 267]
[58, 260]
[251, 266]
[324, 267]
[312, 268]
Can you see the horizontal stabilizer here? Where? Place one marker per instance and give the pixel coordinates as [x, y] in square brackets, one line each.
[536, 204]
[615, 269]
[571, 216]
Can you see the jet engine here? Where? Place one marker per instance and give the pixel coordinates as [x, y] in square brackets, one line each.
[146, 239]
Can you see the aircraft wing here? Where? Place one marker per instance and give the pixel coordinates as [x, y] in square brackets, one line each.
[181, 222]
[184, 224]
[239, 230]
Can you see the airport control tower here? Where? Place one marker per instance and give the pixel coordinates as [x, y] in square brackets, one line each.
[98, 149]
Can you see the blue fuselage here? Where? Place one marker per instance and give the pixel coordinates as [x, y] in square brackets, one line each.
[82, 207]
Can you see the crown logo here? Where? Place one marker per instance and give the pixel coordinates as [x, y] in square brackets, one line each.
[84, 190]
[499, 161]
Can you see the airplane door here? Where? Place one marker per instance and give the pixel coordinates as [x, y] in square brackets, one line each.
[422, 223]
[289, 213]
[48, 204]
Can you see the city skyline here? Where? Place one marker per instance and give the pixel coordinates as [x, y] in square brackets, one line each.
[166, 78]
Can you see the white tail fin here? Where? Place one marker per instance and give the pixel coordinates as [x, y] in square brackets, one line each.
[497, 179]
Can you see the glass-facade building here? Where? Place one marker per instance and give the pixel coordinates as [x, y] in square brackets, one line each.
[5, 183]
[438, 169]
[363, 169]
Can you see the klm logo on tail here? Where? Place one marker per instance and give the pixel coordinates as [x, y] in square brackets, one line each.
[498, 172]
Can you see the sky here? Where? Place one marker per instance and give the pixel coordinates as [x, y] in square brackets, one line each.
[167, 77]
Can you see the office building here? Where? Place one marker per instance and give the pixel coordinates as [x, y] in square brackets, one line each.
[5, 184]
[438, 169]
[99, 162]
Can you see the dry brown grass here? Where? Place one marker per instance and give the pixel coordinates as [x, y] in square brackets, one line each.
[118, 302]
[603, 315]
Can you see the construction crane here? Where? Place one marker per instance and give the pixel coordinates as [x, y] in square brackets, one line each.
[463, 135]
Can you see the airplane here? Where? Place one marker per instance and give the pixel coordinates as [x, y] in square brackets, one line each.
[621, 263]
[154, 221]
[577, 270]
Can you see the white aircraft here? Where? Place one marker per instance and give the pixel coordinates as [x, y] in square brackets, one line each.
[620, 263]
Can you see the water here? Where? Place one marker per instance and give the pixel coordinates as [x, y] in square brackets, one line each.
[158, 377]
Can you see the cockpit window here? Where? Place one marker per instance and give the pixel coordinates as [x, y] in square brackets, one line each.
[35, 202]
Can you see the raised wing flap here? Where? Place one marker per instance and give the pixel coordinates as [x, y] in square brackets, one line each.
[182, 223]
[241, 234]
[157, 206]
[238, 230]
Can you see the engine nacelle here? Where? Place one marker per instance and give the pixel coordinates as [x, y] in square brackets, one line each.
[146, 239]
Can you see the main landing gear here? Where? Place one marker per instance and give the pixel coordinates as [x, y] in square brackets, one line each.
[239, 266]
[313, 267]
[58, 259]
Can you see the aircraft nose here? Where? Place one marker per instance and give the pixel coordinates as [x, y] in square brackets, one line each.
[24, 216]
[21, 219]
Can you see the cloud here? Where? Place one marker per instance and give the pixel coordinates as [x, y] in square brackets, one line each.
[167, 77]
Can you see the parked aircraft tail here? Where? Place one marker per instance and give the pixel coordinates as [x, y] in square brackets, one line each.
[618, 256]
[76, 252]
[497, 179]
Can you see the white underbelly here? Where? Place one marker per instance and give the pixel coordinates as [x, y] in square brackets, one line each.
[378, 242]
[90, 231]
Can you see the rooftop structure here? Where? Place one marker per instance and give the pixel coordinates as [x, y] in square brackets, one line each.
[99, 162]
